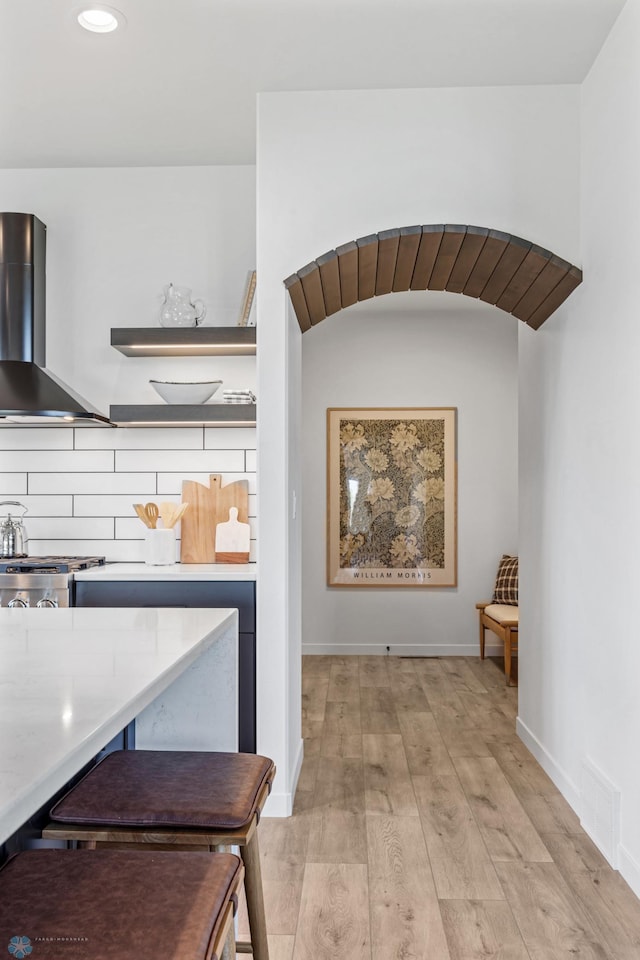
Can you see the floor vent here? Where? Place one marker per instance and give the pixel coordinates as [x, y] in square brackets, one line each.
[600, 806]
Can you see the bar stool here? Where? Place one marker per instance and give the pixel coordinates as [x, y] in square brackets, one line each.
[157, 799]
[111, 904]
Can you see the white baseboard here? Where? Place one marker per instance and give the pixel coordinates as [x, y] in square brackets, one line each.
[563, 782]
[627, 865]
[399, 649]
[600, 810]
[280, 804]
[629, 869]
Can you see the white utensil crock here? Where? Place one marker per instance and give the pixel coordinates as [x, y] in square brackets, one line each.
[160, 547]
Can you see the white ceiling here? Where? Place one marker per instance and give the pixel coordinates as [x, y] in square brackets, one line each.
[178, 85]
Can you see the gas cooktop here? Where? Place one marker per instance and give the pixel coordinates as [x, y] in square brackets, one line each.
[49, 564]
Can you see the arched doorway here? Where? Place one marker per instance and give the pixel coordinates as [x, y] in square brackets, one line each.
[491, 269]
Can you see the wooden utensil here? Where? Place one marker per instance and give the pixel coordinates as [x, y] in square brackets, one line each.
[139, 509]
[171, 513]
[167, 513]
[151, 510]
[180, 512]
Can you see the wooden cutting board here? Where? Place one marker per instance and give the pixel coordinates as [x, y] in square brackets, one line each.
[209, 506]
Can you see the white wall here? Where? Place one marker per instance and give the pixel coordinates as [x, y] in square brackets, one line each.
[579, 473]
[340, 165]
[461, 354]
[115, 237]
[295, 434]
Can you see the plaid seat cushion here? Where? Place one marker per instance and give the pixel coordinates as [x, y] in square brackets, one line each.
[506, 588]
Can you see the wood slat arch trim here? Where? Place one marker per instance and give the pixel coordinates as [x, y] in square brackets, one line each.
[515, 275]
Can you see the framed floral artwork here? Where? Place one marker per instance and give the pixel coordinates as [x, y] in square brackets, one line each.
[391, 497]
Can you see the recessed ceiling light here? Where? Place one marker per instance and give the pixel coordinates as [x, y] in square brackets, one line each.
[100, 19]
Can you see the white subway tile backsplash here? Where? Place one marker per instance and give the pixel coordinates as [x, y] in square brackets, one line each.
[12, 484]
[53, 461]
[120, 506]
[36, 438]
[130, 528]
[209, 461]
[170, 484]
[122, 551]
[228, 438]
[77, 483]
[43, 507]
[141, 438]
[77, 528]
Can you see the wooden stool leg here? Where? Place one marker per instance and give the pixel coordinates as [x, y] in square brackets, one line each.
[229, 952]
[481, 637]
[255, 903]
[507, 654]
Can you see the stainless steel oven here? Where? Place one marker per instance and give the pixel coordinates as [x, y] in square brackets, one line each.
[41, 581]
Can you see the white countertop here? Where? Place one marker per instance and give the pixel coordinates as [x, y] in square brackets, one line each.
[71, 679]
[175, 571]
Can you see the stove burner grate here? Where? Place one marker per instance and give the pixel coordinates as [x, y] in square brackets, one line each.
[38, 565]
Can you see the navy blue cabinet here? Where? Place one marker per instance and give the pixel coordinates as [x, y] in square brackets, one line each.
[193, 593]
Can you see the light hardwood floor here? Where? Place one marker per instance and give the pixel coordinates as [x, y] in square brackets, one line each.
[424, 830]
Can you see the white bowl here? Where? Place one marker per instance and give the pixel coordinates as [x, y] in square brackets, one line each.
[173, 392]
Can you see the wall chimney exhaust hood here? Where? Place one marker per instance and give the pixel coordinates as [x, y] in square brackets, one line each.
[28, 391]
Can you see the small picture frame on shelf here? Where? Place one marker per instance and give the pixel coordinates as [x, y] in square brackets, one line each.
[247, 316]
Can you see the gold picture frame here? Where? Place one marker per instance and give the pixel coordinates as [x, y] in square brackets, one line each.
[391, 497]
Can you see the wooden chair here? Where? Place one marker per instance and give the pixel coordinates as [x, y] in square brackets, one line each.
[112, 904]
[178, 800]
[501, 619]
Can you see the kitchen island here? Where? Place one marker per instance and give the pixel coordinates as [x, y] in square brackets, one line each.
[187, 585]
[71, 679]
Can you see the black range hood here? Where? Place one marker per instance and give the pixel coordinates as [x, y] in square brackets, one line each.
[28, 391]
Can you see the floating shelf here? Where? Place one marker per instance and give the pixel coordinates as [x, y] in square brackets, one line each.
[184, 341]
[177, 414]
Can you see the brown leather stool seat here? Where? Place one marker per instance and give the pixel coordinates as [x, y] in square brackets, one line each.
[162, 799]
[111, 904]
